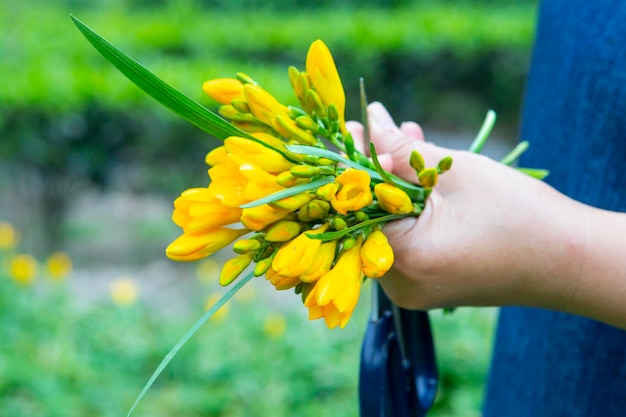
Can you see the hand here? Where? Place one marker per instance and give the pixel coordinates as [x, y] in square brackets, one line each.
[489, 235]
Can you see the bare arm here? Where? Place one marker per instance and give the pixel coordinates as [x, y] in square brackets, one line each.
[491, 236]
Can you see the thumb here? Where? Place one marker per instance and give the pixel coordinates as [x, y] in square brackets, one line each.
[388, 138]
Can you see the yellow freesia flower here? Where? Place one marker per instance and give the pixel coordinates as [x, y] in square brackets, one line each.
[224, 90]
[216, 156]
[355, 191]
[295, 256]
[263, 105]
[321, 263]
[259, 217]
[124, 291]
[324, 78]
[336, 293]
[262, 156]
[197, 211]
[392, 199]
[281, 282]
[376, 255]
[193, 247]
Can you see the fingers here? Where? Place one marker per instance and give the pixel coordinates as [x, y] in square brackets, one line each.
[388, 138]
[356, 129]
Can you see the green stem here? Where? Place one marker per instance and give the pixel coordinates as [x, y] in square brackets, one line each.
[483, 133]
[515, 154]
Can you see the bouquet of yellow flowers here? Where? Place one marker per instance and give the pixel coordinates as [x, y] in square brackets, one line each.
[300, 204]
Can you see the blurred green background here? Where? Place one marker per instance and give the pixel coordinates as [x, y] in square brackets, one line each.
[90, 166]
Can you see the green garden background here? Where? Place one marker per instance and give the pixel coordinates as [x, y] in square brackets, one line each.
[89, 167]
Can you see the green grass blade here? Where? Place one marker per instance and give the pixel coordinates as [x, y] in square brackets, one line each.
[483, 133]
[289, 192]
[158, 89]
[196, 326]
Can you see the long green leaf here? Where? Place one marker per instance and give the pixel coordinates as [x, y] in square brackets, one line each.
[289, 192]
[158, 89]
[193, 330]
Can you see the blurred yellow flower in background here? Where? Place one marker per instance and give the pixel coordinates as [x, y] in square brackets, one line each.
[124, 291]
[221, 313]
[275, 325]
[9, 238]
[23, 268]
[59, 265]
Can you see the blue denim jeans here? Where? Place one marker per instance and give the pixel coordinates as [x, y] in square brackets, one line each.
[545, 363]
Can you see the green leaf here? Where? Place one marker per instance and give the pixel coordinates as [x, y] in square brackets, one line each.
[193, 330]
[483, 133]
[537, 173]
[158, 89]
[340, 233]
[515, 154]
[378, 167]
[289, 192]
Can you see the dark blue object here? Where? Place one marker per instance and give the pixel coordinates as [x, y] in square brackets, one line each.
[398, 375]
[547, 363]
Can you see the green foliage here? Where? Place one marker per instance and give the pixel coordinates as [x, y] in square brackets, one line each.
[61, 356]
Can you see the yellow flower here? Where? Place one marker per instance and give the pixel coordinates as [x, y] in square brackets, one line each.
[263, 105]
[193, 247]
[221, 312]
[336, 293]
[392, 199]
[295, 256]
[324, 78]
[293, 202]
[281, 282]
[224, 90]
[59, 265]
[282, 231]
[23, 268]
[355, 191]
[376, 255]
[216, 156]
[267, 159]
[321, 263]
[197, 211]
[8, 236]
[234, 267]
[259, 217]
[123, 291]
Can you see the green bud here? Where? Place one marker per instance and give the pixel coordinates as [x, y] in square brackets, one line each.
[339, 223]
[445, 164]
[244, 78]
[314, 210]
[314, 102]
[361, 216]
[241, 106]
[246, 245]
[232, 114]
[282, 231]
[307, 123]
[290, 130]
[348, 243]
[304, 171]
[428, 177]
[417, 161]
[262, 266]
[333, 113]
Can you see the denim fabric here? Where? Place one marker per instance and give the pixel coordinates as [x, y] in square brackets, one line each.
[549, 364]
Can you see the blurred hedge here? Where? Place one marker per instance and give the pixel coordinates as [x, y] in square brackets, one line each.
[71, 120]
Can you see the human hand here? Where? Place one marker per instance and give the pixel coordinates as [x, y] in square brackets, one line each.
[489, 235]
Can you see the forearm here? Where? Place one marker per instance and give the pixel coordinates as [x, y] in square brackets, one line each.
[600, 289]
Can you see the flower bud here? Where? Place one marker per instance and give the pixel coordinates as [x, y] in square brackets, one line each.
[339, 223]
[262, 266]
[392, 199]
[229, 112]
[304, 171]
[244, 78]
[288, 128]
[263, 105]
[282, 231]
[376, 255]
[257, 218]
[264, 157]
[234, 267]
[327, 192]
[241, 106]
[417, 161]
[287, 180]
[361, 216]
[348, 243]
[445, 164]
[314, 102]
[428, 177]
[314, 210]
[246, 245]
[307, 123]
[292, 203]
[224, 90]
[295, 256]
[321, 263]
[216, 156]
